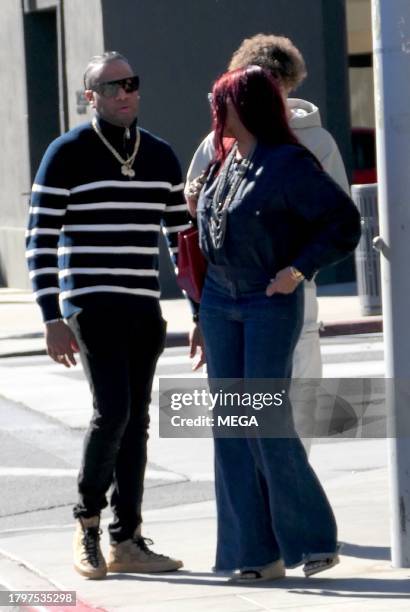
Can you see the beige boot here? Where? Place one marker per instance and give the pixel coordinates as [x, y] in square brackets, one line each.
[134, 557]
[88, 558]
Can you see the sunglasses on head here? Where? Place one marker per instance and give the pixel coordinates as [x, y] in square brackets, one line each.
[220, 98]
[110, 89]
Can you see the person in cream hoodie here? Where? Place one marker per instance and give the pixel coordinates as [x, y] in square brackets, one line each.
[284, 61]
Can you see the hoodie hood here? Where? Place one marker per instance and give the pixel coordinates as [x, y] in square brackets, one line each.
[306, 123]
[304, 114]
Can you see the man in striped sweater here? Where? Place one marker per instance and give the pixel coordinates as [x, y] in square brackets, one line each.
[100, 197]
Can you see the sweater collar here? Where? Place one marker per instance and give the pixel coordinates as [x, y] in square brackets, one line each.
[117, 134]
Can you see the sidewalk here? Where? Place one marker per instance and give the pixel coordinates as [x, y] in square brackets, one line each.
[353, 472]
[40, 558]
[21, 327]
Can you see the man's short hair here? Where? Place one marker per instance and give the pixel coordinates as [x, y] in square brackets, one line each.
[274, 53]
[100, 60]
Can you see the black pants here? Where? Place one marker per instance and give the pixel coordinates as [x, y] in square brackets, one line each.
[119, 350]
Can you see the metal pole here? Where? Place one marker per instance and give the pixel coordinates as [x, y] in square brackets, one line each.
[391, 47]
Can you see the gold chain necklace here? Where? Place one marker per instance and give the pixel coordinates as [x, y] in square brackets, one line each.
[126, 164]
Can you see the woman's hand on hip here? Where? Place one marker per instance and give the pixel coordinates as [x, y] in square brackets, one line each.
[284, 282]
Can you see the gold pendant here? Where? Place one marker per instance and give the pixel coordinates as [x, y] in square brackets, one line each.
[127, 171]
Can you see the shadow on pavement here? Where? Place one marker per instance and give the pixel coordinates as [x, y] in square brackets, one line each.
[368, 588]
[379, 553]
[377, 588]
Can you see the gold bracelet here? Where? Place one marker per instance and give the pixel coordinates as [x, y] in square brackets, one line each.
[296, 274]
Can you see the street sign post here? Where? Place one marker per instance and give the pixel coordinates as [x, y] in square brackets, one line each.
[391, 48]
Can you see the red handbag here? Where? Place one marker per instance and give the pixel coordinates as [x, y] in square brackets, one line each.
[191, 264]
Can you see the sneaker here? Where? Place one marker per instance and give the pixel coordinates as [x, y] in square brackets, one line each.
[88, 558]
[271, 571]
[134, 557]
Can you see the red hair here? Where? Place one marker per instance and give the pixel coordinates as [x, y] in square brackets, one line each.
[259, 104]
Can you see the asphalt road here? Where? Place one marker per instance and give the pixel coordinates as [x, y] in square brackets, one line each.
[39, 457]
[41, 490]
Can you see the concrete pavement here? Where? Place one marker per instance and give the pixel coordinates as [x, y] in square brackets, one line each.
[40, 558]
[354, 474]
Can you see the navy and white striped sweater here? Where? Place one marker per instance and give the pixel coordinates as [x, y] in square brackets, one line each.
[93, 234]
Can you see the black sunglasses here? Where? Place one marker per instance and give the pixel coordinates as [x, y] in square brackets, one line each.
[110, 89]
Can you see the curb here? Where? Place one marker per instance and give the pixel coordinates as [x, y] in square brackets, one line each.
[178, 339]
[22, 580]
[23, 353]
[80, 606]
[346, 328]
[173, 339]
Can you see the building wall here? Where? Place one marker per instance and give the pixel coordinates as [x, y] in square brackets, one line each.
[44, 52]
[359, 29]
[333, 78]
[178, 47]
[359, 26]
[14, 160]
[83, 32]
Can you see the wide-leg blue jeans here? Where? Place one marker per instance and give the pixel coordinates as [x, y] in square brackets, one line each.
[270, 504]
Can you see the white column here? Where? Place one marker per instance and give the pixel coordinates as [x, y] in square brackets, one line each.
[391, 46]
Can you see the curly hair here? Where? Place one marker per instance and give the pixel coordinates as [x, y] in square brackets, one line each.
[276, 54]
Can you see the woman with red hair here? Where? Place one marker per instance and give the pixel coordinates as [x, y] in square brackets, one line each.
[268, 217]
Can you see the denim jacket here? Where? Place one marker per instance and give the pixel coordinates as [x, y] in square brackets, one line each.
[287, 212]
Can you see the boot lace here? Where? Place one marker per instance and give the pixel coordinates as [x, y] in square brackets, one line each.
[90, 541]
[143, 543]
